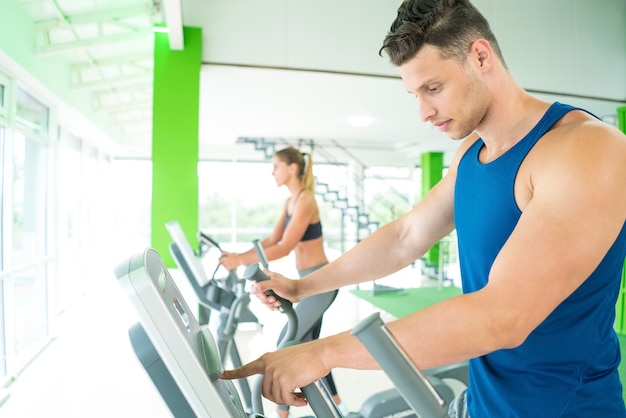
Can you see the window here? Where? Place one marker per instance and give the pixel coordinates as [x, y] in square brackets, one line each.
[4, 224]
[131, 198]
[248, 205]
[31, 116]
[49, 203]
[68, 225]
[27, 324]
[29, 238]
[390, 192]
[3, 362]
[4, 82]
[243, 208]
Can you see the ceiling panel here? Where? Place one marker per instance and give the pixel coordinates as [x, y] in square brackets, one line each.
[109, 45]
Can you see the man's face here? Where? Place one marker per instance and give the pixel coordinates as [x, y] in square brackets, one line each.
[451, 95]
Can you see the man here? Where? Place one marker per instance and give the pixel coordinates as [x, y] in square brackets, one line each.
[536, 194]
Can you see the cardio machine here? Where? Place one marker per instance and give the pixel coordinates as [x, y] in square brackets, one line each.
[224, 296]
[189, 351]
[228, 297]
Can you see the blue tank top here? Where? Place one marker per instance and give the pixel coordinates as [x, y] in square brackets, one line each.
[567, 367]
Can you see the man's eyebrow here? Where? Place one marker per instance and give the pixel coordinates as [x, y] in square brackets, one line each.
[423, 86]
[427, 82]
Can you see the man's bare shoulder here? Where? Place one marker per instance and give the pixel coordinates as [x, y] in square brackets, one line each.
[580, 123]
[584, 153]
[581, 131]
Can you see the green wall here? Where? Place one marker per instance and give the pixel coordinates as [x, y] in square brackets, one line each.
[432, 172]
[175, 138]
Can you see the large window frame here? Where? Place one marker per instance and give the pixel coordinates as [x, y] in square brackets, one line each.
[340, 188]
[248, 206]
[32, 258]
[3, 350]
[5, 236]
[27, 214]
[30, 166]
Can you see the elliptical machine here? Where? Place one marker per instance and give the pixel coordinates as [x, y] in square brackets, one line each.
[191, 357]
[228, 297]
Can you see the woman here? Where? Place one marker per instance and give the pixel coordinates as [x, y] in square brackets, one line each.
[299, 229]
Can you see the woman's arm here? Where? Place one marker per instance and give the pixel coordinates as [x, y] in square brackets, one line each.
[282, 240]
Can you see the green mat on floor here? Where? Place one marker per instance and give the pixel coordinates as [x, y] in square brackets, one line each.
[409, 301]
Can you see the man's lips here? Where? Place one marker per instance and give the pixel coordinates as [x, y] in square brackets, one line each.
[442, 126]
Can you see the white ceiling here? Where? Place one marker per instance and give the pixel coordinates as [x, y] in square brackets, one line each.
[291, 70]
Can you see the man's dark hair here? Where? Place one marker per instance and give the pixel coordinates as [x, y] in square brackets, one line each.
[449, 25]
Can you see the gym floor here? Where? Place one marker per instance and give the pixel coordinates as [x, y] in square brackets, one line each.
[90, 369]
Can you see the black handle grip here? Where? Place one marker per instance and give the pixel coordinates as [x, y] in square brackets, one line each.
[207, 238]
[254, 272]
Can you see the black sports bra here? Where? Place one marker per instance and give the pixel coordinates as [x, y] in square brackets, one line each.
[313, 231]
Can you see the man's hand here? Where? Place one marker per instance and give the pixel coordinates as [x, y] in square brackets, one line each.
[284, 372]
[282, 286]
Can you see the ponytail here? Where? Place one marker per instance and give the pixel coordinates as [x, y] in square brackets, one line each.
[307, 178]
[291, 155]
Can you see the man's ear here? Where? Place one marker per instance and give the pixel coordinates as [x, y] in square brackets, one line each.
[481, 51]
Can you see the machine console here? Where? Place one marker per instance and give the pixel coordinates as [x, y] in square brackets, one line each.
[187, 349]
